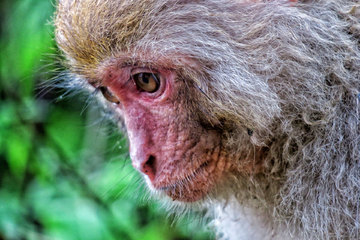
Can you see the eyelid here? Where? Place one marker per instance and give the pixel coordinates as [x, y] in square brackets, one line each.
[143, 70]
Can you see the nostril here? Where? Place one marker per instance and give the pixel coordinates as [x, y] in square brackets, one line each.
[149, 168]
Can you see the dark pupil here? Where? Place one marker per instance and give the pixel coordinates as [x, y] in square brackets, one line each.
[145, 78]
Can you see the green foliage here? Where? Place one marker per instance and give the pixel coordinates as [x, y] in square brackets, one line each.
[64, 170]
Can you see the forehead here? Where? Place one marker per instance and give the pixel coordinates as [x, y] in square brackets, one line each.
[149, 33]
[90, 32]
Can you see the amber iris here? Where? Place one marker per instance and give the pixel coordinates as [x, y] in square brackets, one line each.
[147, 82]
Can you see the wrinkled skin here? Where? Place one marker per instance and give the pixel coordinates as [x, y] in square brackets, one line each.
[179, 157]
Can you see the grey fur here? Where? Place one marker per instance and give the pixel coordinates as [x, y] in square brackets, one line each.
[288, 73]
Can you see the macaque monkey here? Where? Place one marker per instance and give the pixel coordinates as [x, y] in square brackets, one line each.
[248, 107]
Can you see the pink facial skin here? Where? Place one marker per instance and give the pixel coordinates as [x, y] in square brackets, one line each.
[176, 155]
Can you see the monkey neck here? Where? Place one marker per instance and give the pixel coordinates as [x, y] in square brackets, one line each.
[253, 221]
[249, 206]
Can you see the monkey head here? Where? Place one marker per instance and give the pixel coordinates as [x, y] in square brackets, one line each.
[186, 97]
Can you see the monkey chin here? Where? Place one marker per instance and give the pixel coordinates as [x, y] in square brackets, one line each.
[182, 194]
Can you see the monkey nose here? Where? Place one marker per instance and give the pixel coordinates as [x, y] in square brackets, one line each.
[149, 168]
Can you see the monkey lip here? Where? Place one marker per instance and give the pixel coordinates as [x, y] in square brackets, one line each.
[186, 179]
[189, 188]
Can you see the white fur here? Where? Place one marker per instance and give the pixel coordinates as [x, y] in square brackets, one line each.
[234, 221]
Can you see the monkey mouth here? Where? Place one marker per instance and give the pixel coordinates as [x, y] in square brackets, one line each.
[189, 188]
[186, 179]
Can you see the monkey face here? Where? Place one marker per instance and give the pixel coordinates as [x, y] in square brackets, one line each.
[176, 154]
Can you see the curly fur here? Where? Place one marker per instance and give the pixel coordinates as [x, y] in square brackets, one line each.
[288, 73]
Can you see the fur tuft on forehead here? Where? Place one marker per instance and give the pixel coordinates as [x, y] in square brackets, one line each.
[99, 30]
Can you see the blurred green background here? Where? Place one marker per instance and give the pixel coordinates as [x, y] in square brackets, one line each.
[64, 169]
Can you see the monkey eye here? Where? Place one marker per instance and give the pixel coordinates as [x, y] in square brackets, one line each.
[109, 95]
[147, 81]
